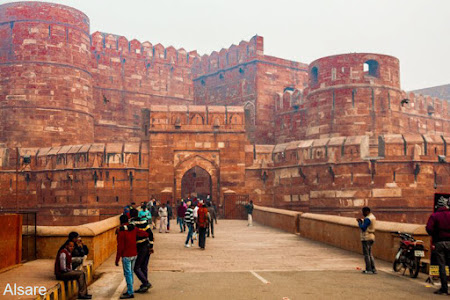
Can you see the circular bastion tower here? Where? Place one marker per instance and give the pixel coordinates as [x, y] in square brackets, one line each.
[352, 94]
[46, 84]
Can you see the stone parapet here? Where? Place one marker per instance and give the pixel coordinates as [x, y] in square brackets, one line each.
[99, 237]
[343, 232]
[283, 219]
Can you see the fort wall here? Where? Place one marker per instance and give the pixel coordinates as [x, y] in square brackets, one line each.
[130, 76]
[343, 99]
[44, 62]
[76, 183]
[243, 75]
[339, 176]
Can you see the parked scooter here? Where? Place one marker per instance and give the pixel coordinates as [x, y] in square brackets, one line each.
[409, 254]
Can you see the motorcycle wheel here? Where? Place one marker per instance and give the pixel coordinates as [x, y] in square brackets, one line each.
[414, 267]
[397, 265]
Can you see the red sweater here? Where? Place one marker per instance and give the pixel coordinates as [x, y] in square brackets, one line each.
[126, 242]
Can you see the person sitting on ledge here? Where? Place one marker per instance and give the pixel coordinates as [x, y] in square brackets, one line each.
[80, 251]
[64, 271]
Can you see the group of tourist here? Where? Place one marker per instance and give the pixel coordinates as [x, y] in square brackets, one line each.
[199, 218]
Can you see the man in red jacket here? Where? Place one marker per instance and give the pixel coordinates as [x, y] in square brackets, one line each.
[438, 227]
[126, 249]
[63, 270]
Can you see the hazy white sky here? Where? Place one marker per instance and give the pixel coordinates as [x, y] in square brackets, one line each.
[415, 31]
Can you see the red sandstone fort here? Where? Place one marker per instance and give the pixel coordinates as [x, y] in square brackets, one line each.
[92, 122]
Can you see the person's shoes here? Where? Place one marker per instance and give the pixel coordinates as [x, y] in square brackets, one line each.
[213, 236]
[147, 286]
[187, 246]
[127, 296]
[374, 272]
[367, 272]
[441, 292]
[84, 297]
[141, 290]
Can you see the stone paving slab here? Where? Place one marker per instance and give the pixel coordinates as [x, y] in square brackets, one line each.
[296, 268]
[34, 273]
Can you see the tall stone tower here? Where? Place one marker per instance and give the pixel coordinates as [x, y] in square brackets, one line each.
[352, 94]
[46, 83]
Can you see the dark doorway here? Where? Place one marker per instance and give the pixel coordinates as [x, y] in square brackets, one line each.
[196, 182]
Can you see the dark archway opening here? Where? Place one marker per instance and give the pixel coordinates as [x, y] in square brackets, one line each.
[371, 68]
[314, 76]
[196, 182]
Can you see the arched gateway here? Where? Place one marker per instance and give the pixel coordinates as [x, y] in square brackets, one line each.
[196, 176]
[196, 182]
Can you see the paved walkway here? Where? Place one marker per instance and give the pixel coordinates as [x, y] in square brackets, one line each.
[34, 273]
[258, 263]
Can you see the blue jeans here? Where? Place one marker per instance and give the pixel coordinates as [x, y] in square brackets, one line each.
[128, 267]
[190, 232]
[180, 221]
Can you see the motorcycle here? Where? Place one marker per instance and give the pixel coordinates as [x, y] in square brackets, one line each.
[409, 254]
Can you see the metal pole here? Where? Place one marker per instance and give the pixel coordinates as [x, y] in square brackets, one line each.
[17, 179]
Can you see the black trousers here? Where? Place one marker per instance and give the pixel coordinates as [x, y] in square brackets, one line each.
[141, 265]
[443, 259]
[201, 237]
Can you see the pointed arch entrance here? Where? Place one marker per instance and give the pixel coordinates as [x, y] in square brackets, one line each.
[196, 175]
[196, 182]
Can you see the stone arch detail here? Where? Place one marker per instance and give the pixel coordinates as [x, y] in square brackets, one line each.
[197, 160]
[250, 113]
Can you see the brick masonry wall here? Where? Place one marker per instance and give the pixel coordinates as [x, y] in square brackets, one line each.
[44, 62]
[130, 76]
[212, 138]
[243, 75]
[75, 184]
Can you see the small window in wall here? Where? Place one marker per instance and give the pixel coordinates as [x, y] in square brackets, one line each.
[333, 74]
[371, 68]
[314, 75]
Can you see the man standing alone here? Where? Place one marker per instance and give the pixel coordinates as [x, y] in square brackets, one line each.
[438, 226]
[249, 208]
[213, 216]
[367, 226]
[163, 215]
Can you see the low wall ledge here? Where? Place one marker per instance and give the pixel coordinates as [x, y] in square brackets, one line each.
[278, 211]
[383, 226]
[86, 230]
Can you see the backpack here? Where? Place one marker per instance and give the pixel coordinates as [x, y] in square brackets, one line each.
[203, 217]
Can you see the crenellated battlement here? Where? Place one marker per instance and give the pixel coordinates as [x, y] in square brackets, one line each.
[227, 58]
[115, 45]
